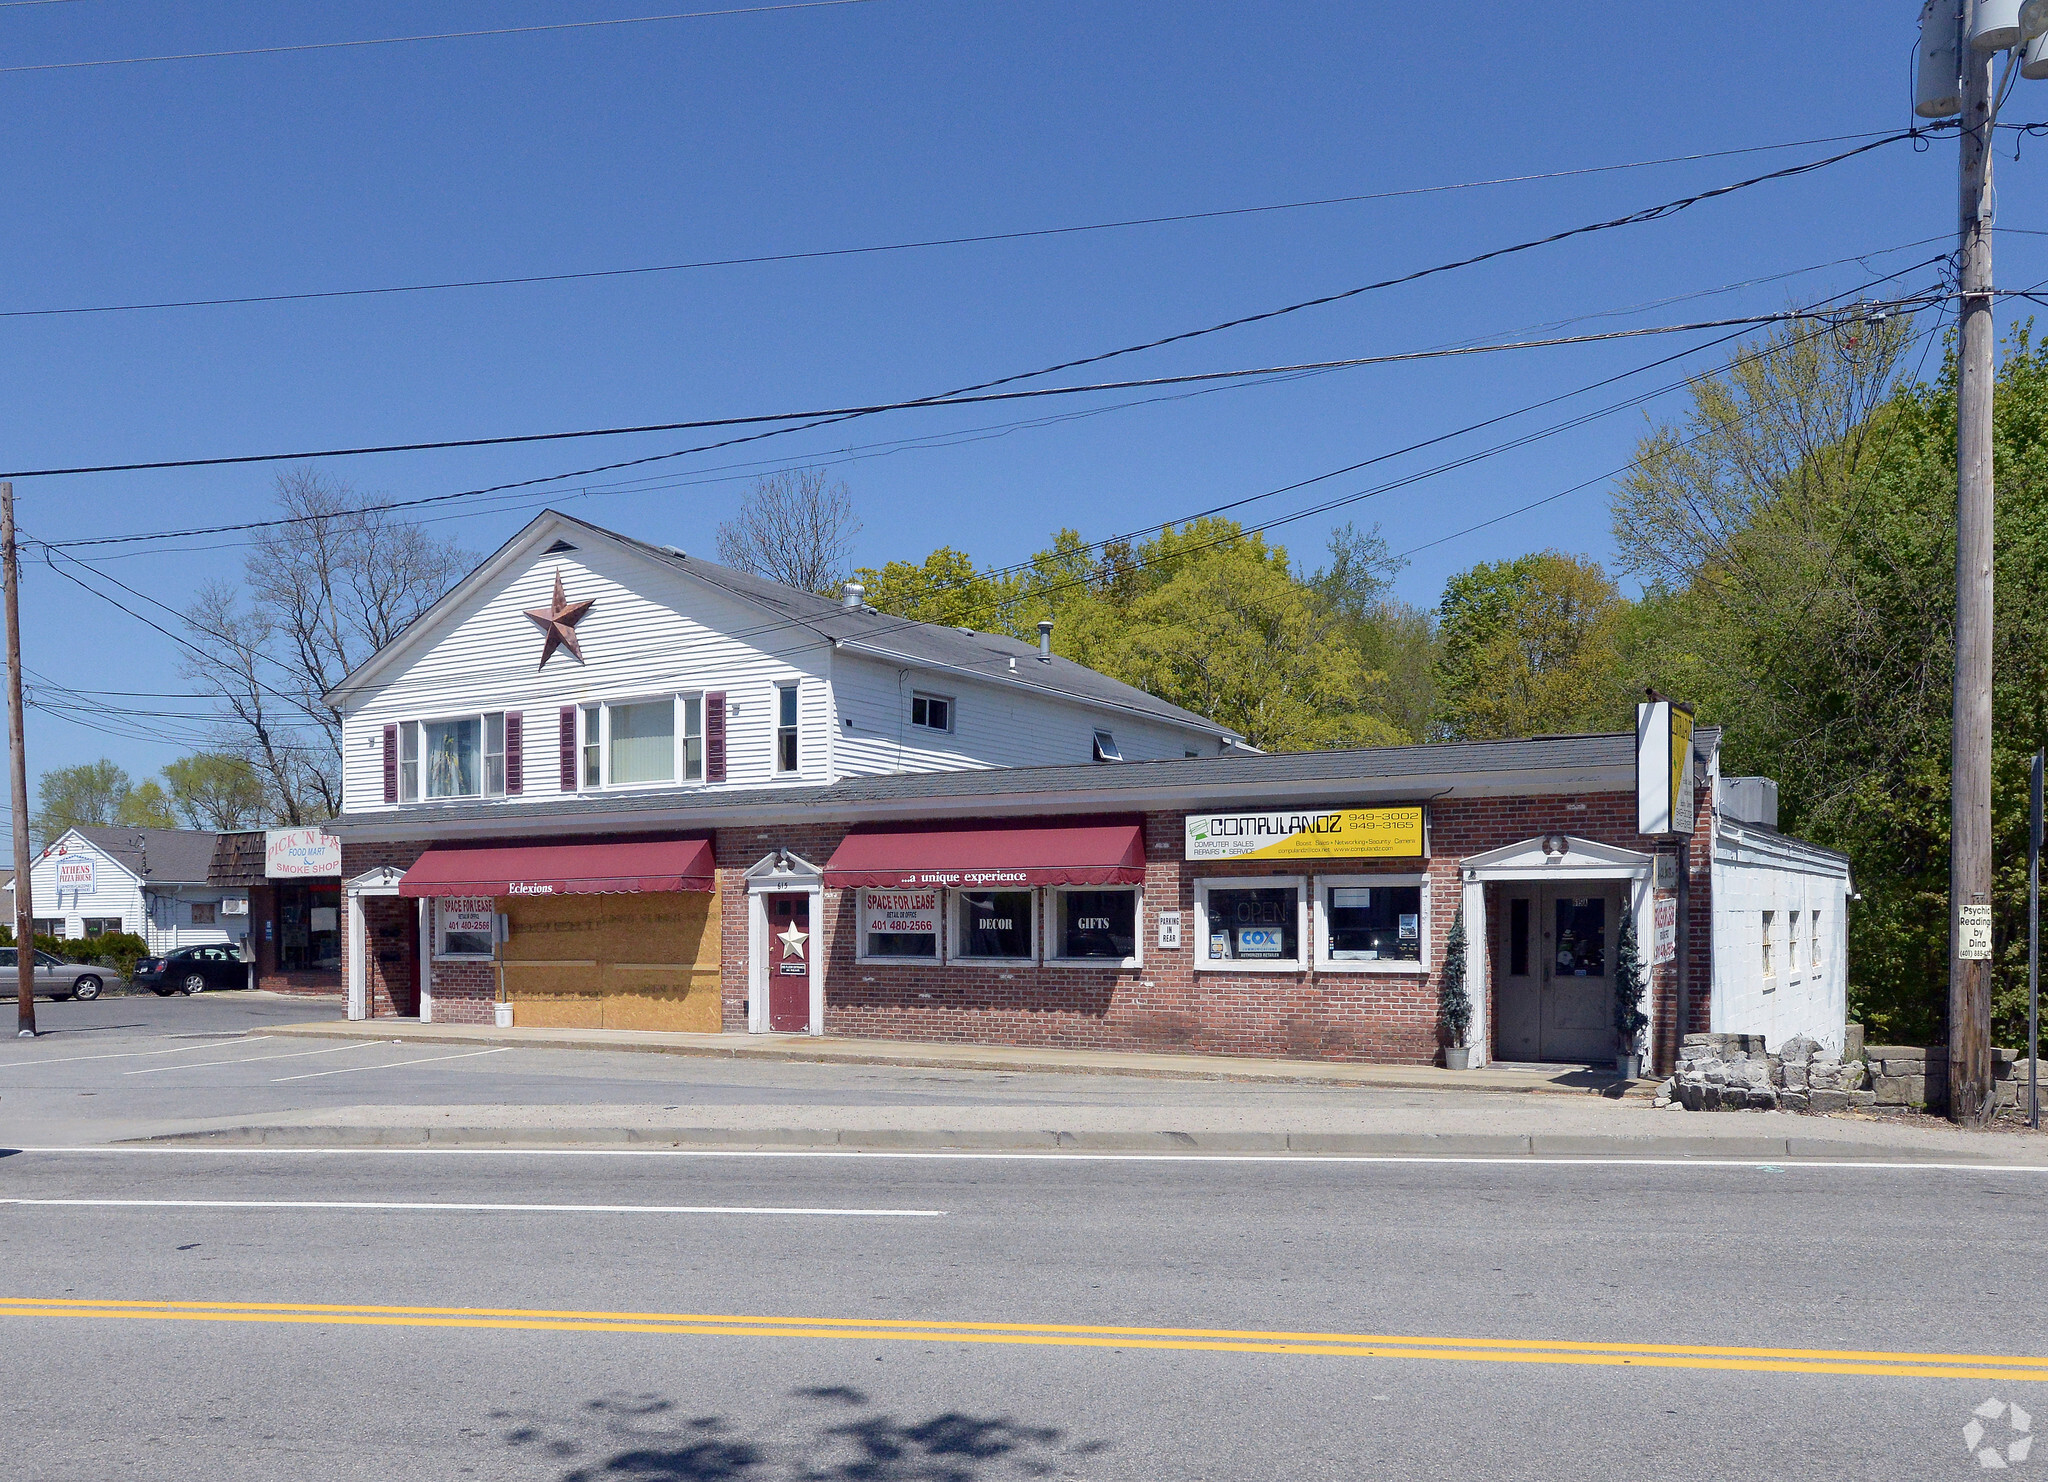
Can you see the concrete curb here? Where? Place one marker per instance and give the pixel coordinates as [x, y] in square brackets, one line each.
[1302, 1144]
[968, 1057]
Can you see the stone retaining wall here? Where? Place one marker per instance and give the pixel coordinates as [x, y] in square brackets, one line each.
[1735, 1072]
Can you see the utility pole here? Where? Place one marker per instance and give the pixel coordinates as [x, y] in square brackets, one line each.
[17, 767]
[1969, 984]
[2034, 941]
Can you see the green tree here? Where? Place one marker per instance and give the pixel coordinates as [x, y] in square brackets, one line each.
[146, 806]
[216, 790]
[89, 793]
[1529, 647]
[945, 588]
[1806, 578]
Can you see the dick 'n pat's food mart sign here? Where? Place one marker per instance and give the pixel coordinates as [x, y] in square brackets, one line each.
[1308, 833]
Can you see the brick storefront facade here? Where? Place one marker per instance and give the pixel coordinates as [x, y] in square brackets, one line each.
[1164, 1004]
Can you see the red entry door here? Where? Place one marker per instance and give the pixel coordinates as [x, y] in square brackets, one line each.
[790, 949]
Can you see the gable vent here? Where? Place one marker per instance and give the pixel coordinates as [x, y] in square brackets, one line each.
[557, 547]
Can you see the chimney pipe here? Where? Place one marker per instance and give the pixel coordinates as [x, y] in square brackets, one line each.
[854, 591]
[1045, 640]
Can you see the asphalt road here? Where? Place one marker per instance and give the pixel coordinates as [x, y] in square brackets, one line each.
[130, 1067]
[590, 1337]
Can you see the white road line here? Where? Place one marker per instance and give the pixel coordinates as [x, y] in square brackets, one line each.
[388, 1065]
[128, 1054]
[1308, 1160]
[247, 1059]
[385, 1206]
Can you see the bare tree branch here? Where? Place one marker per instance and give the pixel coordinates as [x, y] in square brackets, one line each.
[795, 528]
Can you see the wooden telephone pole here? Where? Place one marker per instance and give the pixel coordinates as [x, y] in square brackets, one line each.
[17, 767]
[1969, 983]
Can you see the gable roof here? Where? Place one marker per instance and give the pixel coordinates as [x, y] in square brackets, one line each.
[984, 656]
[156, 856]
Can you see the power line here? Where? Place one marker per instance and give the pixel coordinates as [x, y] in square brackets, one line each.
[912, 246]
[965, 394]
[266, 51]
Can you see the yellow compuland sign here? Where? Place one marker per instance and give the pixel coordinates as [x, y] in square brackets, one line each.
[1308, 833]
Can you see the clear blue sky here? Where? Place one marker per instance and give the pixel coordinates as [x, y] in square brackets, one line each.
[876, 123]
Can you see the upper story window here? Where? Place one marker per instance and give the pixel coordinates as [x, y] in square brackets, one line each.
[1770, 927]
[632, 743]
[1106, 749]
[933, 712]
[785, 728]
[461, 757]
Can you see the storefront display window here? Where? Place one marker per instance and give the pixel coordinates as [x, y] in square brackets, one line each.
[1096, 925]
[994, 924]
[899, 924]
[1249, 923]
[308, 926]
[1372, 922]
[464, 926]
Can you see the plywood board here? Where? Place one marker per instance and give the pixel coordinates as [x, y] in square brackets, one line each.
[615, 961]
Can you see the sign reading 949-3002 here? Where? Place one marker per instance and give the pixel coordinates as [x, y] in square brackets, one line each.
[1309, 833]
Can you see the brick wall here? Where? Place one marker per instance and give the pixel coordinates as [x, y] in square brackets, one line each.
[1164, 1005]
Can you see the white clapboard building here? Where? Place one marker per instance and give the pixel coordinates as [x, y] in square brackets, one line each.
[150, 882]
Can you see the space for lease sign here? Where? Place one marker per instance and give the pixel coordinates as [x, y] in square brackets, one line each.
[1308, 833]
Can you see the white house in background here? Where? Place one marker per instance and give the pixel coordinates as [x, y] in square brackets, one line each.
[706, 679]
[151, 882]
[1781, 944]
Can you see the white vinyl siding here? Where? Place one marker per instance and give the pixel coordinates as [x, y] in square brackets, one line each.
[161, 915]
[994, 724]
[651, 631]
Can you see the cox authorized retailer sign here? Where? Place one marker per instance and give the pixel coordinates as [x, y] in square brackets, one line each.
[300, 854]
[1309, 833]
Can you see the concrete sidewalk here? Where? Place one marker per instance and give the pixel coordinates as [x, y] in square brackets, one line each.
[833, 1050]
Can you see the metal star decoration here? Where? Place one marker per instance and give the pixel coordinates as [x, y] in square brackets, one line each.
[793, 941]
[558, 620]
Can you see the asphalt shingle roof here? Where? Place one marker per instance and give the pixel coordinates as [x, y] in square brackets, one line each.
[1306, 769]
[161, 856]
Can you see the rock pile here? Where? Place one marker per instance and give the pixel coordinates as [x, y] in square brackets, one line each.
[1734, 1072]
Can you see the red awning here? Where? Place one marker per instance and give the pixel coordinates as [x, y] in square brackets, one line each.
[1082, 851]
[625, 868]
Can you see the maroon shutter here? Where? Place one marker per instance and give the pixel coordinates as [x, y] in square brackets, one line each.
[515, 753]
[568, 748]
[714, 736]
[391, 764]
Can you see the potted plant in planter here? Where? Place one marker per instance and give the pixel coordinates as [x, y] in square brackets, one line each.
[1629, 1020]
[1453, 1003]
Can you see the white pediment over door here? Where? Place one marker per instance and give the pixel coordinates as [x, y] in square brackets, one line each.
[1558, 857]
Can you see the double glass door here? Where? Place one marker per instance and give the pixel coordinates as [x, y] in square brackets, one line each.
[1557, 972]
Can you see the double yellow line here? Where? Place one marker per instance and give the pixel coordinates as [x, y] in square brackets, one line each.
[1976, 1366]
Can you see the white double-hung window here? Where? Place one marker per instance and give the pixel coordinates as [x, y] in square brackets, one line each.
[637, 743]
[461, 756]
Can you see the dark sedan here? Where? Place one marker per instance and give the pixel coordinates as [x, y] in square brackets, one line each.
[192, 970]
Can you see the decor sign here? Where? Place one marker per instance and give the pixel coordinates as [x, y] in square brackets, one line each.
[1329, 833]
[1667, 933]
[300, 854]
[1664, 767]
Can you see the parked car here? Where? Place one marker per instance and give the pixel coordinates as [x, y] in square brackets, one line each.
[56, 978]
[192, 970]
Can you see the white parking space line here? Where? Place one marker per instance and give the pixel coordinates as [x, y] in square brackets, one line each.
[397, 1206]
[128, 1054]
[248, 1059]
[388, 1065]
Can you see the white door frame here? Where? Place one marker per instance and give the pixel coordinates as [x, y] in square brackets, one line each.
[1549, 858]
[382, 881]
[783, 873]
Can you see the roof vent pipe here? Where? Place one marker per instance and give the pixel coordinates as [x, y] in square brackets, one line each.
[853, 591]
[1045, 640]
